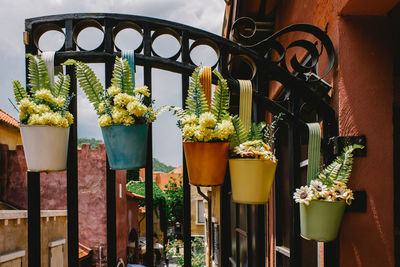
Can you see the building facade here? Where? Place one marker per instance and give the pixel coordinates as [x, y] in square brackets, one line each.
[365, 97]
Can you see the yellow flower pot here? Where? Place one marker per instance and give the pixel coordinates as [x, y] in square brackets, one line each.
[251, 180]
[45, 147]
[206, 162]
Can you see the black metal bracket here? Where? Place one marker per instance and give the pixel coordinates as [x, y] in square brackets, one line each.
[359, 204]
[338, 143]
[202, 194]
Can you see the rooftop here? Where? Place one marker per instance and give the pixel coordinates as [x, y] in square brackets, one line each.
[8, 119]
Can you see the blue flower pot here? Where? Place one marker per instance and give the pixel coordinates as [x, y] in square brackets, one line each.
[126, 146]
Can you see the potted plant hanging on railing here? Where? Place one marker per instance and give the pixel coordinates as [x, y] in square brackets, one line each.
[253, 163]
[206, 129]
[44, 117]
[323, 200]
[124, 112]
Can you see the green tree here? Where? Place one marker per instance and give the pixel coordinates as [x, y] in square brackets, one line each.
[158, 166]
[91, 141]
[174, 192]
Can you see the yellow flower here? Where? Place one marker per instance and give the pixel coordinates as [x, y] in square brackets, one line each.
[43, 108]
[35, 119]
[69, 117]
[190, 119]
[136, 108]
[224, 130]
[207, 120]
[22, 115]
[60, 101]
[152, 115]
[128, 120]
[104, 120]
[28, 106]
[143, 90]
[112, 91]
[118, 115]
[203, 134]
[45, 95]
[102, 107]
[122, 99]
[188, 131]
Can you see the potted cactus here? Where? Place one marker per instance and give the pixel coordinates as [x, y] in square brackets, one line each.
[206, 130]
[323, 200]
[124, 113]
[252, 164]
[44, 117]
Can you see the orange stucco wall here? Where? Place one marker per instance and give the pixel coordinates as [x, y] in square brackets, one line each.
[362, 97]
[10, 135]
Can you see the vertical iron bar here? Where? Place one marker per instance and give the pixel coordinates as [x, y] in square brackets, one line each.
[294, 181]
[225, 205]
[277, 230]
[260, 236]
[331, 249]
[34, 241]
[226, 241]
[187, 231]
[237, 225]
[149, 161]
[249, 236]
[110, 174]
[72, 163]
[111, 217]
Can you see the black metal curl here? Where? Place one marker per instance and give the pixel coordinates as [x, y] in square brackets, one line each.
[311, 48]
[270, 44]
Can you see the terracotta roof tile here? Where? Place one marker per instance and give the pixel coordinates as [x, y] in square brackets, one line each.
[8, 119]
[84, 251]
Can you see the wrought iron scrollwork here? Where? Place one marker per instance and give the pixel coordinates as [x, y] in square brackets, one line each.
[244, 29]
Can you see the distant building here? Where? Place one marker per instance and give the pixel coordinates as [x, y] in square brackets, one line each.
[9, 130]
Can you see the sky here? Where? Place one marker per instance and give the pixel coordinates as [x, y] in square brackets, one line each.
[205, 14]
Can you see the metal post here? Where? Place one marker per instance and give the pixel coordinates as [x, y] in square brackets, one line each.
[72, 161]
[149, 160]
[34, 243]
[294, 182]
[186, 187]
[110, 174]
[111, 218]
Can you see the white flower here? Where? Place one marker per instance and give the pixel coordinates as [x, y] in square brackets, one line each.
[337, 192]
[303, 194]
[319, 188]
[348, 196]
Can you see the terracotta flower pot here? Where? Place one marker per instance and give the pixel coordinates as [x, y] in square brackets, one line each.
[321, 219]
[126, 146]
[45, 147]
[251, 180]
[206, 162]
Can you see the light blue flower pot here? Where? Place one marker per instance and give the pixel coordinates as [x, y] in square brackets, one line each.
[126, 146]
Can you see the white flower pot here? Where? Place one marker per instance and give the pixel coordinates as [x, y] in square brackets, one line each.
[45, 147]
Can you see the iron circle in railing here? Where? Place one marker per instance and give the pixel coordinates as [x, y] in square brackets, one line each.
[42, 29]
[124, 26]
[243, 29]
[235, 59]
[84, 24]
[170, 32]
[206, 42]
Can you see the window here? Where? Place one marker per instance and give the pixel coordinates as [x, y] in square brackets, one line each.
[200, 212]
